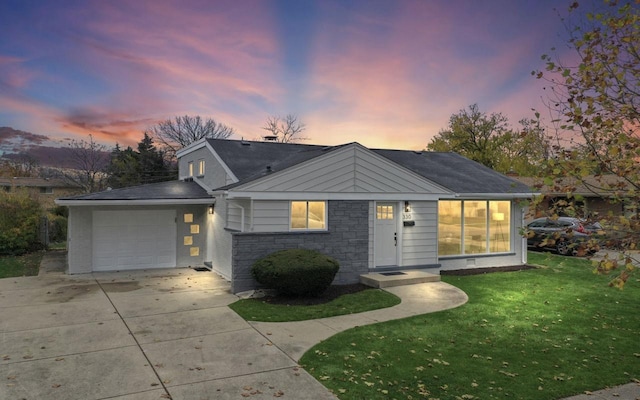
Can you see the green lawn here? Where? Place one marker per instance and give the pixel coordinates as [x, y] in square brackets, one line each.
[370, 299]
[537, 334]
[26, 265]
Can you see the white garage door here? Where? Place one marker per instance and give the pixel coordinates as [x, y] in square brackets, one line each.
[134, 239]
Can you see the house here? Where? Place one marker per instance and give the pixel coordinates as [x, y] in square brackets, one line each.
[594, 196]
[42, 189]
[236, 201]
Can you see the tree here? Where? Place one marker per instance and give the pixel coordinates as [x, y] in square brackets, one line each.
[595, 104]
[489, 140]
[284, 130]
[146, 165]
[89, 160]
[19, 223]
[174, 134]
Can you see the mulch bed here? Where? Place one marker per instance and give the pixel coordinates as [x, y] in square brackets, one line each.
[331, 293]
[336, 291]
[480, 271]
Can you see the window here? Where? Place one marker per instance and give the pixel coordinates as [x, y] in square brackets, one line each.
[384, 212]
[308, 215]
[201, 168]
[474, 227]
[190, 168]
[46, 190]
[188, 218]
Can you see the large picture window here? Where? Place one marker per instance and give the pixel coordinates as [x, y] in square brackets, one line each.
[308, 215]
[473, 227]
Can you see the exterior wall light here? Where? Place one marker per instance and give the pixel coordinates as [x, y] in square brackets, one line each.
[211, 209]
[407, 206]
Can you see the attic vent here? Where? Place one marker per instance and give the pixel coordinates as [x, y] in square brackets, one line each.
[418, 152]
[268, 168]
[244, 142]
[325, 148]
[270, 138]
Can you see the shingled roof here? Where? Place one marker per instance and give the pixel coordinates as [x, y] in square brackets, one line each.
[249, 161]
[170, 190]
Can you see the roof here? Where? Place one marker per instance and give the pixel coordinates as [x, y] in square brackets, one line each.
[250, 161]
[188, 191]
[36, 182]
[455, 172]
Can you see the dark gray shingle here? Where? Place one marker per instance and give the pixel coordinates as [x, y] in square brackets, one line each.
[174, 190]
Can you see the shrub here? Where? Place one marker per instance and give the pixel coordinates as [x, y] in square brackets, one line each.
[19, 223]
[297, 272]
[57, 228]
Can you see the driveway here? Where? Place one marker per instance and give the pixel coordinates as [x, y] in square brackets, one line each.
[137, 336]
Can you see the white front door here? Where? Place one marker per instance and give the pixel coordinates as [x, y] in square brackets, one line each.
[386, 239]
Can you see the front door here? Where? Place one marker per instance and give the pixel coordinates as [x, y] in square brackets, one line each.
[386, 239]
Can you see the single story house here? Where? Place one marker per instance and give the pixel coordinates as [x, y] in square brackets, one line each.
[44, 190]
[595, 193]
[237, 201]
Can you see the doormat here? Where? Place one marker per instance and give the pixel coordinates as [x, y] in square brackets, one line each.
[392, 273]
[201, 269]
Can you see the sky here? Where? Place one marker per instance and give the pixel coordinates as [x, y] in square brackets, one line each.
[386, 74]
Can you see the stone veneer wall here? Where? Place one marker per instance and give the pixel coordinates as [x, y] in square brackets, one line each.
[346, 240]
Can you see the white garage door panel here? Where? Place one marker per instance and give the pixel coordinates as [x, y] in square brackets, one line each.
[134, 239]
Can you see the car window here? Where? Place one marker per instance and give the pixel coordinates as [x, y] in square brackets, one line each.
[536, 224]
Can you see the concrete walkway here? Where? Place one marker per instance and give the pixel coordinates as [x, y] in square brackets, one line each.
[168, 334]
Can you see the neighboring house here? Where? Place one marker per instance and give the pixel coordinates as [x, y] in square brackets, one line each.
[594, 199]
[42, 189]
[237, 201]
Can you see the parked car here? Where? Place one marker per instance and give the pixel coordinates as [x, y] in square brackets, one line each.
[565, 235]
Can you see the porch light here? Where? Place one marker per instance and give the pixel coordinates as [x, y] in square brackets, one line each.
[211, 209]
[407, 206]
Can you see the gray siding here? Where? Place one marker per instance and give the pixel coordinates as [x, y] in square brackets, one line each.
[221, 240]
[79, 240]
[420, 242]
[215, 176]
[346, 241]
[271, 216]
[239, 215]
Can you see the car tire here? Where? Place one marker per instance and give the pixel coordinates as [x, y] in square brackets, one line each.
[563, 248]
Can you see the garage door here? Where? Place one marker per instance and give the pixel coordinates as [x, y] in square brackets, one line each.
[134, 239]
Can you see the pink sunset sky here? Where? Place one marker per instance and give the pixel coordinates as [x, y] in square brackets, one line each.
[387, 74]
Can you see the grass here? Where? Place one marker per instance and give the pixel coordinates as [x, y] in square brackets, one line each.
[546, 333]
[370, 299]
[25, 265]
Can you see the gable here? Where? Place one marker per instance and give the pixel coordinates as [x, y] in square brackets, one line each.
[348, 169]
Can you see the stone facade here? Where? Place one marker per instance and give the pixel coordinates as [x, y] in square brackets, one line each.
[346, 240]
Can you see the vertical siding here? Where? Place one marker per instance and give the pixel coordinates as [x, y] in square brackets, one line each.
[419, 242]
[271, 216]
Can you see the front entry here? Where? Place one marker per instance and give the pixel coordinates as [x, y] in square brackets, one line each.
[386, 237]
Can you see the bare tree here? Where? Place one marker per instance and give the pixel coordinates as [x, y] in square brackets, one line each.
[284, 130]
[174, 134]
[88, 161]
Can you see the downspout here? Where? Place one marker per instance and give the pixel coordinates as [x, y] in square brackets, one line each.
[523, 239]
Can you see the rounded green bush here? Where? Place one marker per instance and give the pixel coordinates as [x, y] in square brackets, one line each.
[296, 272]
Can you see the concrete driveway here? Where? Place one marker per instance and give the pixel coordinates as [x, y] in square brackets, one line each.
[137, 336]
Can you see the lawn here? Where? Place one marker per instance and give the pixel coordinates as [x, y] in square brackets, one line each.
[370, 299]
[546, 333]
[25, 265]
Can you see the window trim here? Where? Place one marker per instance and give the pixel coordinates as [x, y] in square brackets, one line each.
[190, 169]
[488, 251]
[201, 167]
[307, 229]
